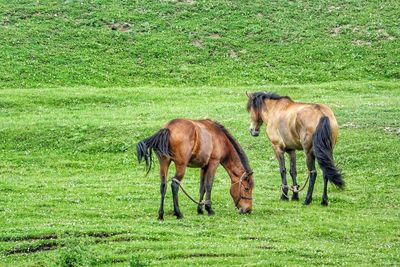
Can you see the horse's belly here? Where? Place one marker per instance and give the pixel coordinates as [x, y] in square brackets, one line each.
[291, 142]
[290, 137]
[196, 164]
[199, 160]
[294, 146]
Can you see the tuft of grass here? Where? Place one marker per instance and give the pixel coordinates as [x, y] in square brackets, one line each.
[74, 253]
[137, 262]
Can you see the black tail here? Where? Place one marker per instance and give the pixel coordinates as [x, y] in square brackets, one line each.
[322, 145]
[159, 142]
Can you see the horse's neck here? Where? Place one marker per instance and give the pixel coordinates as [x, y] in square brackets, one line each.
[232, 164]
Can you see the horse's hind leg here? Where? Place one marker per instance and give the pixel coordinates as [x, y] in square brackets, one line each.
[293, 174]
[202, 190]
[324, 201]
[164, 164]
[282, 169]
[180, 172]
[313, 175]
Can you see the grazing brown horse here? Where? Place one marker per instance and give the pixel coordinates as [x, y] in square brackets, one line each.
[201, 144]
[295, 126]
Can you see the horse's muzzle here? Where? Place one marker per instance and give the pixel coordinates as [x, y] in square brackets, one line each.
[244, 211]
[254, 132]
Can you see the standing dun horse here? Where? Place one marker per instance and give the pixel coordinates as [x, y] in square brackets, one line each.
[202, 144]
[295, 126]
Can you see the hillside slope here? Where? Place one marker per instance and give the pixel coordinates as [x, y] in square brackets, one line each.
[136, 43]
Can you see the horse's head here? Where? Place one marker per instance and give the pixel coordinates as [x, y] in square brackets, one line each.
[255, 115]
[241, 192]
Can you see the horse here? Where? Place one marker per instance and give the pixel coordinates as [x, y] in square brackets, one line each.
[295, 126]
[200, 144]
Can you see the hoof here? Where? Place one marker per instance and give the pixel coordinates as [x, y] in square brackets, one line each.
[307, 201]
[324, 202]
[161, 217]
[210, 211]
[285, 198]
[200, 210]
[295, 197]
[179, 216]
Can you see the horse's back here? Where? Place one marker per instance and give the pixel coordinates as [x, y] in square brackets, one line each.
[213, 139]
[191, 142]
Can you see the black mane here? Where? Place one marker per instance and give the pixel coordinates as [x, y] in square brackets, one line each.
[242, 156]
[257, 99]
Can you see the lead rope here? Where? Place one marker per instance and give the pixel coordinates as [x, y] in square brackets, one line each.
[297, 190]
[204, 202]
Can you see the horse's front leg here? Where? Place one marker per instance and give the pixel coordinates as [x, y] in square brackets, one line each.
[293, 174]
[202, 190]
[180, 172]
[279, 152]
[208, 179]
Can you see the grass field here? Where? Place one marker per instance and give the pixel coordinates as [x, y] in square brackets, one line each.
[81, 82]
[72, 191]
[196, 43]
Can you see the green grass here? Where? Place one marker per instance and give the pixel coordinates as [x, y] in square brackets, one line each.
[83, 81]
[71, 191]
[196, 43]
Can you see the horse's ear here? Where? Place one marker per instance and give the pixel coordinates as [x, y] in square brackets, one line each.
[249, 95]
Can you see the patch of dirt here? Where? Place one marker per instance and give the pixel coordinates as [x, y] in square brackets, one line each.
[260, 15]
[202, 255]
[197, 43]
[338, 29]
[268, 65]
[391, 130]
[95, 234]
[361, 43]
[348, 124]
[102, 234]
[383, 34]
[356, 29]
[27, 238]
[124, 239]
[32, 248]
[233, 54]
[190, 2]
[129, 239]
[333, 8]
[265, 247]
[122, 27]
[118, 260]
[198, 255]
[215, 36]
[209, 255]
[259, 238]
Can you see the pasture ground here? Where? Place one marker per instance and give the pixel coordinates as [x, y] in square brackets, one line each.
[71, 190]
